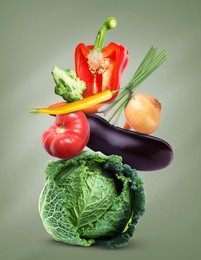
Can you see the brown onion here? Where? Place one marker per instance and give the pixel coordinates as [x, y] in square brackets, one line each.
[142, 114]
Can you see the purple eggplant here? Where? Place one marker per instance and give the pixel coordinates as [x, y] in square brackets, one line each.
[141, 151]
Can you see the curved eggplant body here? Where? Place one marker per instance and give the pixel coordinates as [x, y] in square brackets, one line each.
[140, 151]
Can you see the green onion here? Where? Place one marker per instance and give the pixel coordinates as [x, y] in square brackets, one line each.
[149, 64]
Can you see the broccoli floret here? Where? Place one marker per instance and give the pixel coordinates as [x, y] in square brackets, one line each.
[68, 85]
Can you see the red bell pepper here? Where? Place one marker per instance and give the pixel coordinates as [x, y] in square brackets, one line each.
[101, 67]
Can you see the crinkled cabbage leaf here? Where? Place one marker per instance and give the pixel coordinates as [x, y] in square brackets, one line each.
[91, 198]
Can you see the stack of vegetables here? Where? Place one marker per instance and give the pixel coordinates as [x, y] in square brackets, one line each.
[96, 195]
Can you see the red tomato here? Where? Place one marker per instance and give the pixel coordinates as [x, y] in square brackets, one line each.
[68, 136]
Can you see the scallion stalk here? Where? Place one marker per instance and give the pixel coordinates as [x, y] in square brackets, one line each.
[149, 64]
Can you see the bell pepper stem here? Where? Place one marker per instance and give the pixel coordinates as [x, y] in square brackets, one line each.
[110, 23]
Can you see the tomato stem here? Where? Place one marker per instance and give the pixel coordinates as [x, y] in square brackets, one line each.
[60, 130]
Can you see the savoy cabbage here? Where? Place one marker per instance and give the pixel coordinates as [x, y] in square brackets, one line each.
[91, 198]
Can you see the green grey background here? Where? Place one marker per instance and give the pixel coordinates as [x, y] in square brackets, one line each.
[35, 36]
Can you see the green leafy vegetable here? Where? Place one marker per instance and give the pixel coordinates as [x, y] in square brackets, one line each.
[91, 198]
[68, 85]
